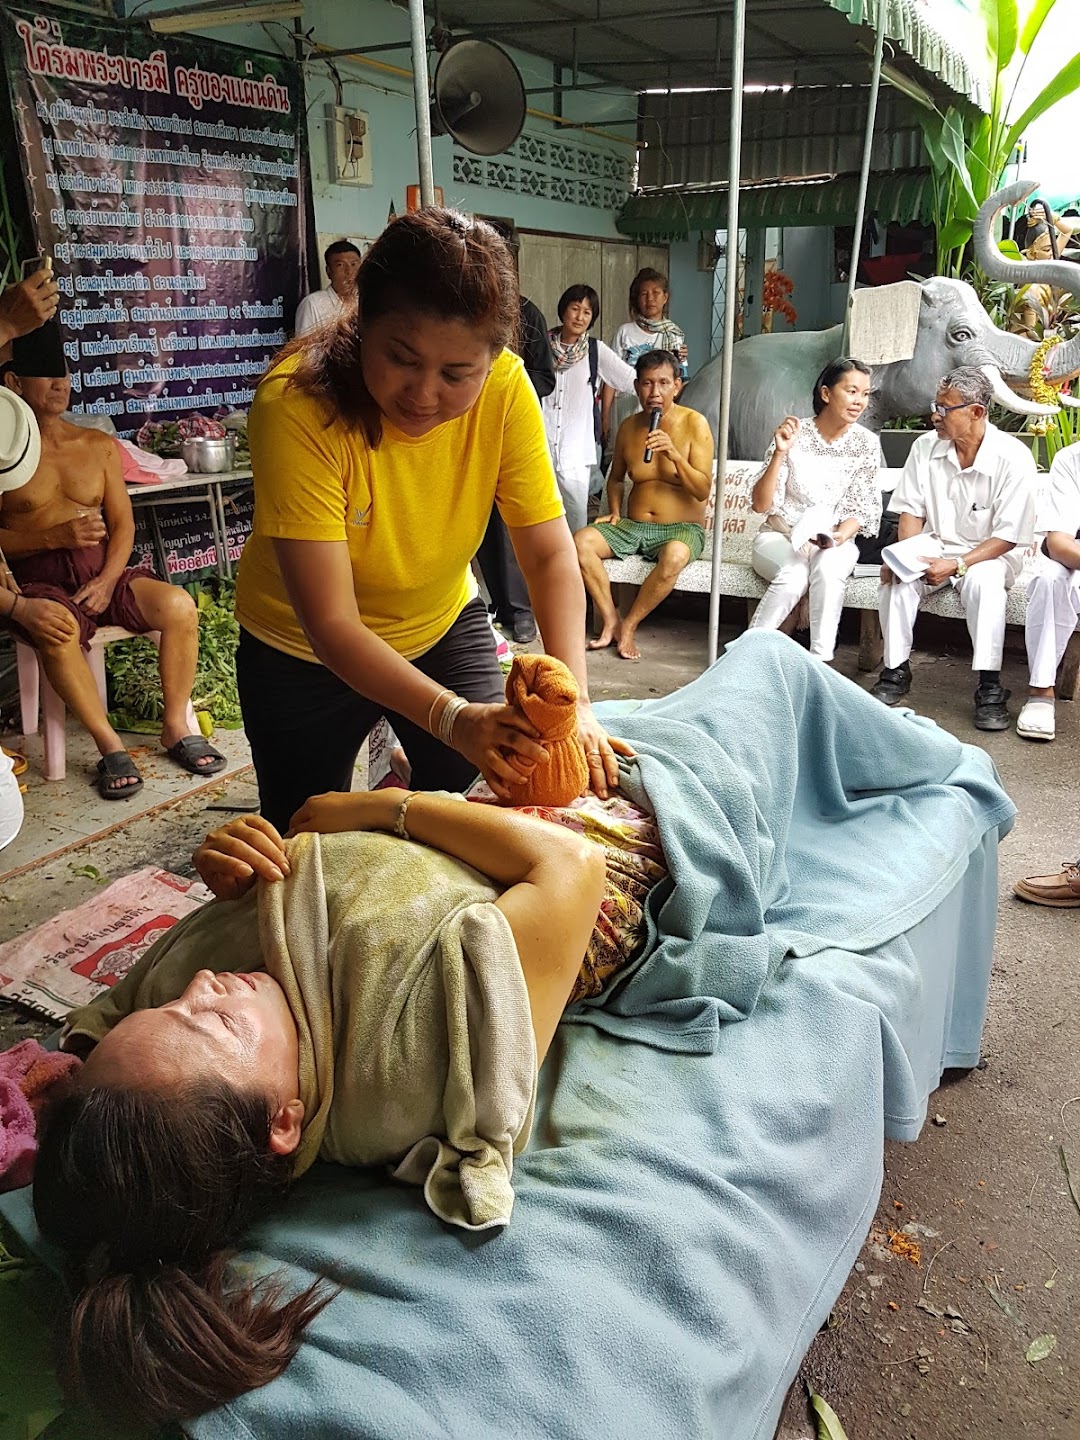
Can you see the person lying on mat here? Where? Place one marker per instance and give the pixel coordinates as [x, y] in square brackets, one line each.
[214, 1081]
[68, 535]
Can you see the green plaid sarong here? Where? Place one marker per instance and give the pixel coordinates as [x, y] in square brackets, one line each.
[646, 538]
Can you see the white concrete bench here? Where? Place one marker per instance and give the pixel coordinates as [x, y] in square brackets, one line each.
[738, 578]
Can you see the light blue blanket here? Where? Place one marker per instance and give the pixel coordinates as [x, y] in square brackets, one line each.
[708, 1144]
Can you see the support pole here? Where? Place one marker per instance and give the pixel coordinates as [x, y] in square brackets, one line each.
[864, 177]
[418, 24]
[731, 290]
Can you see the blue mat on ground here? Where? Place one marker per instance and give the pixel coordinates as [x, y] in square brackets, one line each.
[708, 1143]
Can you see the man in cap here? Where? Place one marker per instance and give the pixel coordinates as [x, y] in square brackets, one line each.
[68, 533]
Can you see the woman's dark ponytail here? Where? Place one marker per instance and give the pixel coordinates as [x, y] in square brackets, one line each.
[147, 1192]
[165, 1342]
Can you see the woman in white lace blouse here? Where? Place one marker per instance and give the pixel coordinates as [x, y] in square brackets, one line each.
[821, 472]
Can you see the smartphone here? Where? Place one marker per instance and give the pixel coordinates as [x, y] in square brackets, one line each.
[39, 262]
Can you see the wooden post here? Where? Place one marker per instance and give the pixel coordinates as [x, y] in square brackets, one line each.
[871, 641]
[1068, 680]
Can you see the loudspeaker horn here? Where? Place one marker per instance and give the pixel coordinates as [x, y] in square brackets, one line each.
[479, 97]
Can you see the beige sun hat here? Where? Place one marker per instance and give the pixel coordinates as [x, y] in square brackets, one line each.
[20, 442]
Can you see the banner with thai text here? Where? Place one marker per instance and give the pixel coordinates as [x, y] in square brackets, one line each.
[164, 179]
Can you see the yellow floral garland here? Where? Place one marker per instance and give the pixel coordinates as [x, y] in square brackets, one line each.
[1041, 388]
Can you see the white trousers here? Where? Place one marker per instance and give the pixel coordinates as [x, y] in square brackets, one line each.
[790, 574]
[574, 489]
[982, 594]
[1053, 608]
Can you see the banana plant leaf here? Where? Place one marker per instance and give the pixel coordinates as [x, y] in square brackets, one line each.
[1064, 83]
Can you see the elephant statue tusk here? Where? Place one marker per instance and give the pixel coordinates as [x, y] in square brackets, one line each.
[1009, 398]
[1072, 401]
[1059, 274]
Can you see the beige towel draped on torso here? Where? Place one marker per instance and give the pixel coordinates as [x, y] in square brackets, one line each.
[416, 1041]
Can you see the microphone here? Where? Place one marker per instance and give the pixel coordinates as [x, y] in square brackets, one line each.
[654, 421]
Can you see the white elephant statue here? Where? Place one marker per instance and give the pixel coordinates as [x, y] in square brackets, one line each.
[773, 375]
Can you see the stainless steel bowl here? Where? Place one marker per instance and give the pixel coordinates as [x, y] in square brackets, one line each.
[204, 455]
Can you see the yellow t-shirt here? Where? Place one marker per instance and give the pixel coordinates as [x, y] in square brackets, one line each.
[412, 511]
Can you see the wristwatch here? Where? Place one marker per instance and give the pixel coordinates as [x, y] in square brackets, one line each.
[961, 569]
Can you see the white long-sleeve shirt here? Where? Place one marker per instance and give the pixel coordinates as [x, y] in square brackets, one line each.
[568, 410]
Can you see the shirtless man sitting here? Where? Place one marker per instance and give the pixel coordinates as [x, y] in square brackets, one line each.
[666, 520]
[67, 535]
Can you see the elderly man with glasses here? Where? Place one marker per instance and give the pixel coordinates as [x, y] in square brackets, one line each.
[971, 490]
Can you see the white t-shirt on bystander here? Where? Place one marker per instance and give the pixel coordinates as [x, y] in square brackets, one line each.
[318, 307]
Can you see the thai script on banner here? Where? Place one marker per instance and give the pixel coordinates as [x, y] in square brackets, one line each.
[47, 54]
[171, 212]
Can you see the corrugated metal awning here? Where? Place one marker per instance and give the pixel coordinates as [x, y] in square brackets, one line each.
[939, 35]
[813, 131]
[639, 45]
[675, 215]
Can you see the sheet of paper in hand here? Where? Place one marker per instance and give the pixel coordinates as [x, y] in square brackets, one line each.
[816, 525]
[908, 559]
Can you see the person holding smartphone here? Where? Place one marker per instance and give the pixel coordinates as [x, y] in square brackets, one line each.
[27, 305]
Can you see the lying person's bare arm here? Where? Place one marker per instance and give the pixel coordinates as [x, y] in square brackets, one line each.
[553, 877]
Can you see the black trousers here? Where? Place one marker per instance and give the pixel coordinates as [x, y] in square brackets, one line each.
[305, 726]
[502, 575]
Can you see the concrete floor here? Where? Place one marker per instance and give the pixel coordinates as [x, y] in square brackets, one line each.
[1002, 1241]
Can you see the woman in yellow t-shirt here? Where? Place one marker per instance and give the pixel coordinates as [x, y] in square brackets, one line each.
[379, 444]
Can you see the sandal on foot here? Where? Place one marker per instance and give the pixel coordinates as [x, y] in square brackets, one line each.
[114, 768]
[193, 748]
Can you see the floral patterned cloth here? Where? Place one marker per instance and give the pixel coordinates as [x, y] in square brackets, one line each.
[635, 863]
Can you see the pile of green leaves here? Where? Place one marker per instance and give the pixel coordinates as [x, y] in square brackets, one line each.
[161, 437]
[131, 667]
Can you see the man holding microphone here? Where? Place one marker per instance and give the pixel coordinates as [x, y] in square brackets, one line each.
[666, 451]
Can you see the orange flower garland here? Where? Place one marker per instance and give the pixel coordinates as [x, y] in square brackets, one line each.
[775, 293]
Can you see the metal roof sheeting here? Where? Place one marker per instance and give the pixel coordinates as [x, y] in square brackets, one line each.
[638, 44]
[806, 132]
[918, 27]
[675, 215]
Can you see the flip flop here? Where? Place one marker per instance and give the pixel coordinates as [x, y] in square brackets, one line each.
[114, 767]
[19, 766]
[190, 750]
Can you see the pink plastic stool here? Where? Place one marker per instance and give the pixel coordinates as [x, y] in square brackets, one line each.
[36, 693]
